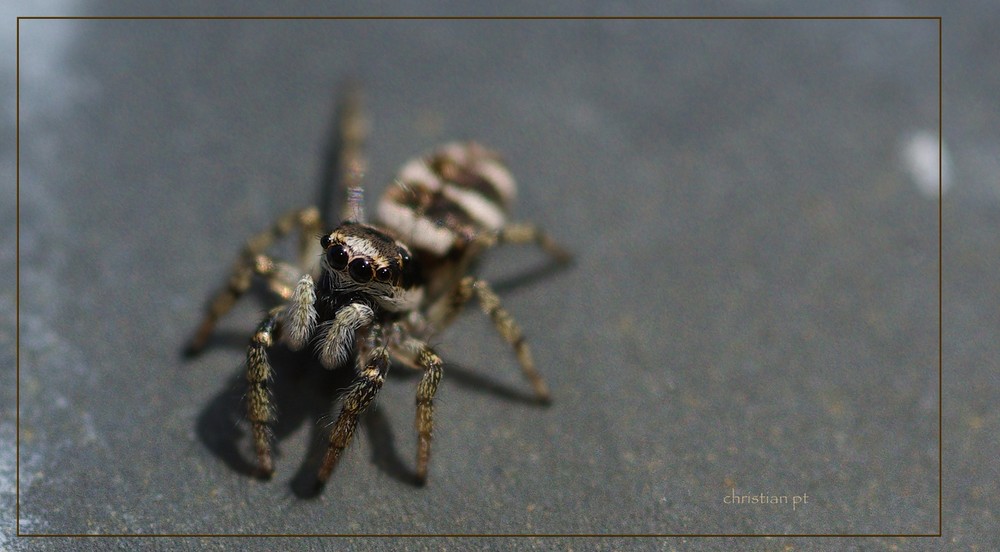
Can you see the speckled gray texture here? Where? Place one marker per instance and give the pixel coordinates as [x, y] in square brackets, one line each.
[753, 306]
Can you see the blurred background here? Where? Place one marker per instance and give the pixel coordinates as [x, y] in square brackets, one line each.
[753, 307]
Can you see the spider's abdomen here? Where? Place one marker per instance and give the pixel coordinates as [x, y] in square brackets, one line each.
[441, 202]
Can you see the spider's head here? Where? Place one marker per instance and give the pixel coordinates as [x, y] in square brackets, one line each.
[359, 257]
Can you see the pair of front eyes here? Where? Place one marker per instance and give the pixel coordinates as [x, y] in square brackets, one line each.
[360, 269]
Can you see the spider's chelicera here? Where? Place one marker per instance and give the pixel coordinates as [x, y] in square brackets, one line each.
[382, 290]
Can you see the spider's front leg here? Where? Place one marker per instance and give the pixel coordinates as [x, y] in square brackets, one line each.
[259, 373]
[373, 362]
[298, 320]
[415, 352]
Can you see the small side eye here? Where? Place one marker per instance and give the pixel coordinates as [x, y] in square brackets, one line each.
[407, 269]
[360, 270]
[383, 274]
[325, 241]
[337, 257]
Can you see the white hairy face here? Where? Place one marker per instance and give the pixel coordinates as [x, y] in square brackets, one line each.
[362, 258]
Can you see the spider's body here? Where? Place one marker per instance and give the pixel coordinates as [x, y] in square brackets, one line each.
[382, 290]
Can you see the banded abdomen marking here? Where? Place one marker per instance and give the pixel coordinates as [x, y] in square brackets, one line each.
[442, 202]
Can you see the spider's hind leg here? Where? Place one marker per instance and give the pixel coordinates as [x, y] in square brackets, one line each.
[506, 327]
[526, 232]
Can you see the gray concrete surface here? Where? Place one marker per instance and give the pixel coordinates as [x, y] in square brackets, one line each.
[753, 307]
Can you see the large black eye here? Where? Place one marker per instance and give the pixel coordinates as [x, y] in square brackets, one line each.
[337, 257]
[360, 270]
[383, 274]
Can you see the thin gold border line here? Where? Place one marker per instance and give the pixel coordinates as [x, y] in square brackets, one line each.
[17, 286]
[17, 487]
[489, 17]
[476, 535]
[940, 278]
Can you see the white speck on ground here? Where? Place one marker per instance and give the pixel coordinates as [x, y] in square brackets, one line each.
[919, 153]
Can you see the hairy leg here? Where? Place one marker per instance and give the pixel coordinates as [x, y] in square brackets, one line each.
[373, 362]
[525, 232]
[506, 326]
[252, 261]
[259, 373]
[416, 353]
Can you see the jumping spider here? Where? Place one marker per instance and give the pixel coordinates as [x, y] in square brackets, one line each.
[382, 290]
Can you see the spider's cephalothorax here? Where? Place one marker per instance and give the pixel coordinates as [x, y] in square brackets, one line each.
[382, 290]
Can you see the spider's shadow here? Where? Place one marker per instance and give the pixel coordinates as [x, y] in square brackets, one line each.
[303, 392]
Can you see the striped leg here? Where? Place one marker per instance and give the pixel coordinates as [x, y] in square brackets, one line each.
[415, 352]
[505, 325]
[260, 410]
[525, 232]
[373, 362]
[431, 363]
[281, 276]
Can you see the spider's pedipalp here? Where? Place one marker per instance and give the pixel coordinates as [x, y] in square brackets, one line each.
[300, 314]
[338, 336]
